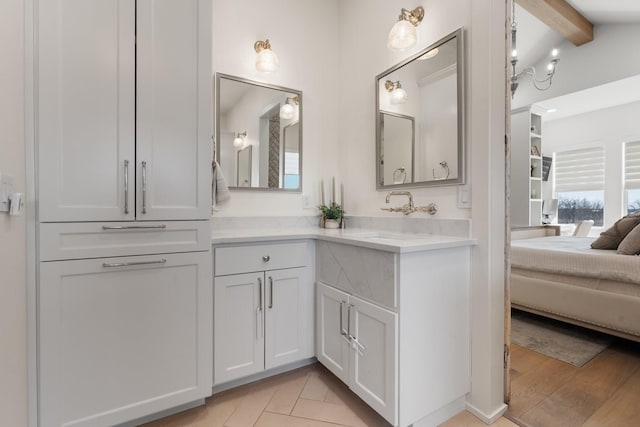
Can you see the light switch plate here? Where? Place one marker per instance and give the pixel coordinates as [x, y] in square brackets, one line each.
[464, 196]
[6, 188]
[306, 201]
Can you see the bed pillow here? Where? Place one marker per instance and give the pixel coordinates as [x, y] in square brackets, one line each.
[611, 238]
[630, 245]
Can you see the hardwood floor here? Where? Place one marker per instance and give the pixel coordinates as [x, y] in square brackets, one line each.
[604, 392]
[307, 397]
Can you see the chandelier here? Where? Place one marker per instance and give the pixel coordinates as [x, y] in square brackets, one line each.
[540, 84]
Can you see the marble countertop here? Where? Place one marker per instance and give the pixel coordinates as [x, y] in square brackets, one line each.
[373, 239]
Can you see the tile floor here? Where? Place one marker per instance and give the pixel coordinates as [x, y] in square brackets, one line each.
[307, 397]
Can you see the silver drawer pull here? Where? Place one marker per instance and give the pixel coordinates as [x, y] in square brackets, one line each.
[131, 264]
[134, 227]
[266, 258]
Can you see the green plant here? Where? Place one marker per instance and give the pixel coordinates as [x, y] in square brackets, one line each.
[333, 211]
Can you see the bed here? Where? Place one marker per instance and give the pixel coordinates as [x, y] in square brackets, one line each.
[563, 278]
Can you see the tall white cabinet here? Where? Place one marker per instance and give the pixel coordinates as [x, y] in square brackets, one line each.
[124, 110]
[526, 167]
[123, 145]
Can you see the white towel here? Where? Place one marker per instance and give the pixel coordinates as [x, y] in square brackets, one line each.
[219, 190]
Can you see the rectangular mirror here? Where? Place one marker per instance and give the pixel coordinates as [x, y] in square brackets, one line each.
[420, 118]
[258, 134]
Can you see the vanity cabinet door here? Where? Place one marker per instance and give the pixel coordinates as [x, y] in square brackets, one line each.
[238, 326]
[288, 316]
[332, 344]
[374, 356]
[122, 338]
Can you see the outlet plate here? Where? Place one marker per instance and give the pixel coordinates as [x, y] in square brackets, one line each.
[464, 196]
[306, 201]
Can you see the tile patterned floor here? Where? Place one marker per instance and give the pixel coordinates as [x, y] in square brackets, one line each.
[307, 397]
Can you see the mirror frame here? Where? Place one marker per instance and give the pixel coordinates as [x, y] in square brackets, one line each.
[216, 151]
[458, 35]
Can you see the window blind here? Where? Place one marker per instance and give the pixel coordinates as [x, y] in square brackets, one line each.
[580, 170]
[632, 165]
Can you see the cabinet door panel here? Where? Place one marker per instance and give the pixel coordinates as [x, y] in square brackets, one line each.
[119, 343]
[85, 90]
[238, 326]
[373, 370]
[332, 349]
[174, 109]
[288, 316]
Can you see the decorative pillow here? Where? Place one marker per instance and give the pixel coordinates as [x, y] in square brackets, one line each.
[611, 238]
[630, 245]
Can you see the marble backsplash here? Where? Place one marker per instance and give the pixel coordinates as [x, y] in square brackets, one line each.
[411, 225]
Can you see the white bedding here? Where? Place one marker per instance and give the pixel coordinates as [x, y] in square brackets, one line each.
[574, 256]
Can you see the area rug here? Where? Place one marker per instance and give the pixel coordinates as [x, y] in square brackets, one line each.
[562, 341]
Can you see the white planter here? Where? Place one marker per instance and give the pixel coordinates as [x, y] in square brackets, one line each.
[331, 223]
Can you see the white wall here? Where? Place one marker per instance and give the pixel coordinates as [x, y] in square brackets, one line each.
[304, 34]
[13, 329]
[611, 56]
[607, 128]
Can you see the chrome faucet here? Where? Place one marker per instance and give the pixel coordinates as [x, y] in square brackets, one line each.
[409, 208]
[401, 193]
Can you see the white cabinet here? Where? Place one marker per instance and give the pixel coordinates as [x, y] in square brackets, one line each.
[359, 347]
[124, 109]
[263, 319]
[124, 337]
[526, 167]
[395, 328]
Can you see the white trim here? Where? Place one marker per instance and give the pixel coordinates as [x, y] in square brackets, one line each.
[31, 211]
[487, 418]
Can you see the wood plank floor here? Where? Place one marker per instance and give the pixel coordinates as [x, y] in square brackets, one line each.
[306, 397]
[546, 392]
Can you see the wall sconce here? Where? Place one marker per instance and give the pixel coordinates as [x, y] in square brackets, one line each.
[398, 95]
[288, 109]
[540, 84]
[433, 52]
[266, 61]
[240, 140]
[403, 33]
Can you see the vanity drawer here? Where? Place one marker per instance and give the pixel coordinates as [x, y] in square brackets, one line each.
[364, 272]
[250, 258]
[62, 241]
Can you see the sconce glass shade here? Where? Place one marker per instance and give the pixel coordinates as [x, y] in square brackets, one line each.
[402, 36]
[267, 61]
[399, 96]
[287, 111]
[238, 142]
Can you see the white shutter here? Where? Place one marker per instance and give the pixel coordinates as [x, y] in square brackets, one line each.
[580, 170]
[632, 165]
[291, 163]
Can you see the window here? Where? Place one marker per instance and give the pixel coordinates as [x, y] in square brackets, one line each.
[632, 175]
[579, 176]
[291, 170]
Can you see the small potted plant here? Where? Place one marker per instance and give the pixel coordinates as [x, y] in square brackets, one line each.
[331, 215]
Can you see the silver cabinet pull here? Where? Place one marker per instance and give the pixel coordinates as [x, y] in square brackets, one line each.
[259, 311]
[126, 186]
[266, 258]
[131, 264]
[270, 292]
[351, 337]
[144, 187]
[342, 331]
[134, 227]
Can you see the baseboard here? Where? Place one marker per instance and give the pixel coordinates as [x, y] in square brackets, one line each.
[264, 374]
[441, 415]
[162, 414]
[487, 418]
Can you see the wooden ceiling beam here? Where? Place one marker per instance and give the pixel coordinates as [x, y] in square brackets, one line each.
[561, 17]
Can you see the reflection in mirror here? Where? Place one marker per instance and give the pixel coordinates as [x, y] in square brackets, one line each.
[243, 175]
[268, 155]
[420, 122]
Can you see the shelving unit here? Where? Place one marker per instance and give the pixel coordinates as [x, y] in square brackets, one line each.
[526, 167]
